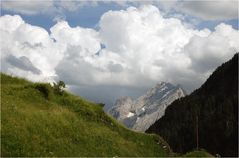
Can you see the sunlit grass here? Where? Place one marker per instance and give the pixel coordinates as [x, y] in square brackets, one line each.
[33, 124]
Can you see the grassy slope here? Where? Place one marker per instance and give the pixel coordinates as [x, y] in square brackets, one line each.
[36, 125]
[197, 154]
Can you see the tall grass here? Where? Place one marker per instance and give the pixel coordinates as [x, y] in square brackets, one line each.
[35, 121]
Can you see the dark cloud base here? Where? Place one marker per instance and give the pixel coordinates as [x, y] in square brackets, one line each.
[107, 94]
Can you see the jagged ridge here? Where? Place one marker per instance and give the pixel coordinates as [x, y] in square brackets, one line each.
[139, 114]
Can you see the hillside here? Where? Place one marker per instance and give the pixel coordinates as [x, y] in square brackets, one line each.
[201, 153]
[215, 104]
[37, 121]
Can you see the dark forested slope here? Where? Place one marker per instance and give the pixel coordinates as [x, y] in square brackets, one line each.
[215, 106]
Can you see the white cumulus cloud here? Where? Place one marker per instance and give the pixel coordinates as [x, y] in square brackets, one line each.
[136, 47]
[19, 39]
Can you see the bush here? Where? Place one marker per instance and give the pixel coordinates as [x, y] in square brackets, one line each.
[101, 104]
[58, 87]
[45, 89]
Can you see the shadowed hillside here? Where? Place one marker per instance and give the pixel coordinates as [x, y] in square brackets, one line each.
[211, 111]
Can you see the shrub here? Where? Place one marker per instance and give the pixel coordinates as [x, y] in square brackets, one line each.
[101, 104]
[58, 87]
[45, 89]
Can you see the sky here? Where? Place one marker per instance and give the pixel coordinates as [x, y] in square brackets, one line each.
[104, 50]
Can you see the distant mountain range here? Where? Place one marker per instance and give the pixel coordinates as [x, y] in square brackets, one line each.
[207, 118]
[141, 113]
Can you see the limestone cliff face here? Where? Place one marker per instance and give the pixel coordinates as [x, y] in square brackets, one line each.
[141, 113]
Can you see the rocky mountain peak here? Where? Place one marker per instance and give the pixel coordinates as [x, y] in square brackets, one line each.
[139, 114]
